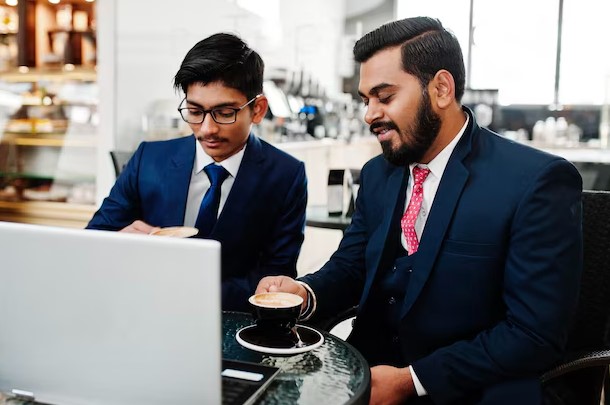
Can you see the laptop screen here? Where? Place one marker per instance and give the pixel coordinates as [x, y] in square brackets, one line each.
[101, 317]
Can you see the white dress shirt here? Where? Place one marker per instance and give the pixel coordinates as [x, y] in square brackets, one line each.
[200, 183]
[437, 168]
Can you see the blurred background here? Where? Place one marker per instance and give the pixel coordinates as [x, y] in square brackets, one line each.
[82, 81]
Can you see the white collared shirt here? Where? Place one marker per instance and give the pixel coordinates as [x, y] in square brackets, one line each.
[200, 183]
[437, 168]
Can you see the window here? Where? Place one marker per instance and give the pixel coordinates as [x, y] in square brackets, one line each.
[585, 61]
[514, 47]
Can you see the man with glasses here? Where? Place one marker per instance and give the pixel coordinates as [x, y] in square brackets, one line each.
[222, 180]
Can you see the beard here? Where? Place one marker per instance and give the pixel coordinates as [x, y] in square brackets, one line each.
[416, 139]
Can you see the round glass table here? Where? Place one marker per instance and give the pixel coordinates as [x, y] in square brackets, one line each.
[334, 373]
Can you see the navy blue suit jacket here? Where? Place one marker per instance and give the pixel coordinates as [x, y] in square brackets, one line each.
[496, 276]
[260, 226]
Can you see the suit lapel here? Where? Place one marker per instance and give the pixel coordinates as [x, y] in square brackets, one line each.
[395, 185]
[178, 179]
[446, 199]
[244, 188]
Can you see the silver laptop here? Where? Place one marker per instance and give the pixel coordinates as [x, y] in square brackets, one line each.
[95, 317]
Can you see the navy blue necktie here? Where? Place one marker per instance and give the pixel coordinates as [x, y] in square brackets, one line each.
[208, 211]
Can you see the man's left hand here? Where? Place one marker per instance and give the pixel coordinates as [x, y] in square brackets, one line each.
[391, 385]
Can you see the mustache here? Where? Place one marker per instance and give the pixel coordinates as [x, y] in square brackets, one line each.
[210, 138]
[389, 125]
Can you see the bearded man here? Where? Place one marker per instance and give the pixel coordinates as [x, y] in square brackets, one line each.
[464, 252]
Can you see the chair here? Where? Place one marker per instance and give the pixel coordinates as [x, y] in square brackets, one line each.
[583, 374]
[327, 324]
[595, 176]
[119, 160]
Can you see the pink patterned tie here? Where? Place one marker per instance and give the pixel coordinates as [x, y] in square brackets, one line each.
[408, 219]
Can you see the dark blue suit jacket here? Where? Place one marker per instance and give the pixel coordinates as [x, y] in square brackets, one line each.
[496, 276]
[260, 226]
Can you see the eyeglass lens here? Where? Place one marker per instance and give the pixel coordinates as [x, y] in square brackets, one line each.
[220, 115]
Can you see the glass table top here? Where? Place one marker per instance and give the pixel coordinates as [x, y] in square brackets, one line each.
[334, 373]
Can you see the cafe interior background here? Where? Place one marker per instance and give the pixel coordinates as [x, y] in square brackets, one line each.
[80, 79]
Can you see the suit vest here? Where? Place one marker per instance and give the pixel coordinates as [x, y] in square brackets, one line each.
[376, 328]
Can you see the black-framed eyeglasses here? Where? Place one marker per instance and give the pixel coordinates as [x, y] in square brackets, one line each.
[220, 115]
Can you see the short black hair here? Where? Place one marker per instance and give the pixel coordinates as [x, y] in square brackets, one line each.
[222, 58]
[426, 48]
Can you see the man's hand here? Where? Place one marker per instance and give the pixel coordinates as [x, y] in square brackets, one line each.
[282, 284]
[139, 227]
[391, 385]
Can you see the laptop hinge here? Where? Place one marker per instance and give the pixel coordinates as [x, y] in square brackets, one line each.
[23, 395]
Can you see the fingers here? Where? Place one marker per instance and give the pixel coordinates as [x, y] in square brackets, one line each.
[277, 284]
[268, 284]
[139, 227]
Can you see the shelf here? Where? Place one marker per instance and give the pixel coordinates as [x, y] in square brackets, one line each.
[61, 103]
[40, 74]
[62, 178]
[24, 175]
[49, 139]
[47, 213]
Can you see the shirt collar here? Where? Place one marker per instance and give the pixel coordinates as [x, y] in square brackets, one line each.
[231, 164]
[438, 164]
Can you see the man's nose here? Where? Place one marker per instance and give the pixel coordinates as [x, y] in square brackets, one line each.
[372, 114]
[208, 126]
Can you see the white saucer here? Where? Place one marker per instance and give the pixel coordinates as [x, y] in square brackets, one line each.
[250, 338]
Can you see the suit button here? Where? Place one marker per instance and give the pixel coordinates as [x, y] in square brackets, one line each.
[393, 269]
[395, 339]
[392, 301]
[410, 270]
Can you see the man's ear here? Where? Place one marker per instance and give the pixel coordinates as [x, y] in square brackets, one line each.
[442, 88]
[260, 109]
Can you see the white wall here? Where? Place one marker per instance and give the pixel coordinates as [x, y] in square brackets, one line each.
[105, 12]
[359, 7]
[312, 37]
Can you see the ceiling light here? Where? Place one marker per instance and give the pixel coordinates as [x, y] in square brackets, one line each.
[54, 1]
[11, 2]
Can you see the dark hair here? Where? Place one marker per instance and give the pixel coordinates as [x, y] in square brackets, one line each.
[426, 48]
[222, 58]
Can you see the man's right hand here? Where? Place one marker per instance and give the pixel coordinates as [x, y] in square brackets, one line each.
[282, 284]
[139, 227]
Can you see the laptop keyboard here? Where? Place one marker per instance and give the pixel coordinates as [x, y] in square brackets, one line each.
[236, 391]
[243, 382]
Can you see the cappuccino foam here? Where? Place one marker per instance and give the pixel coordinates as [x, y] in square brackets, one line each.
[276, 300]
